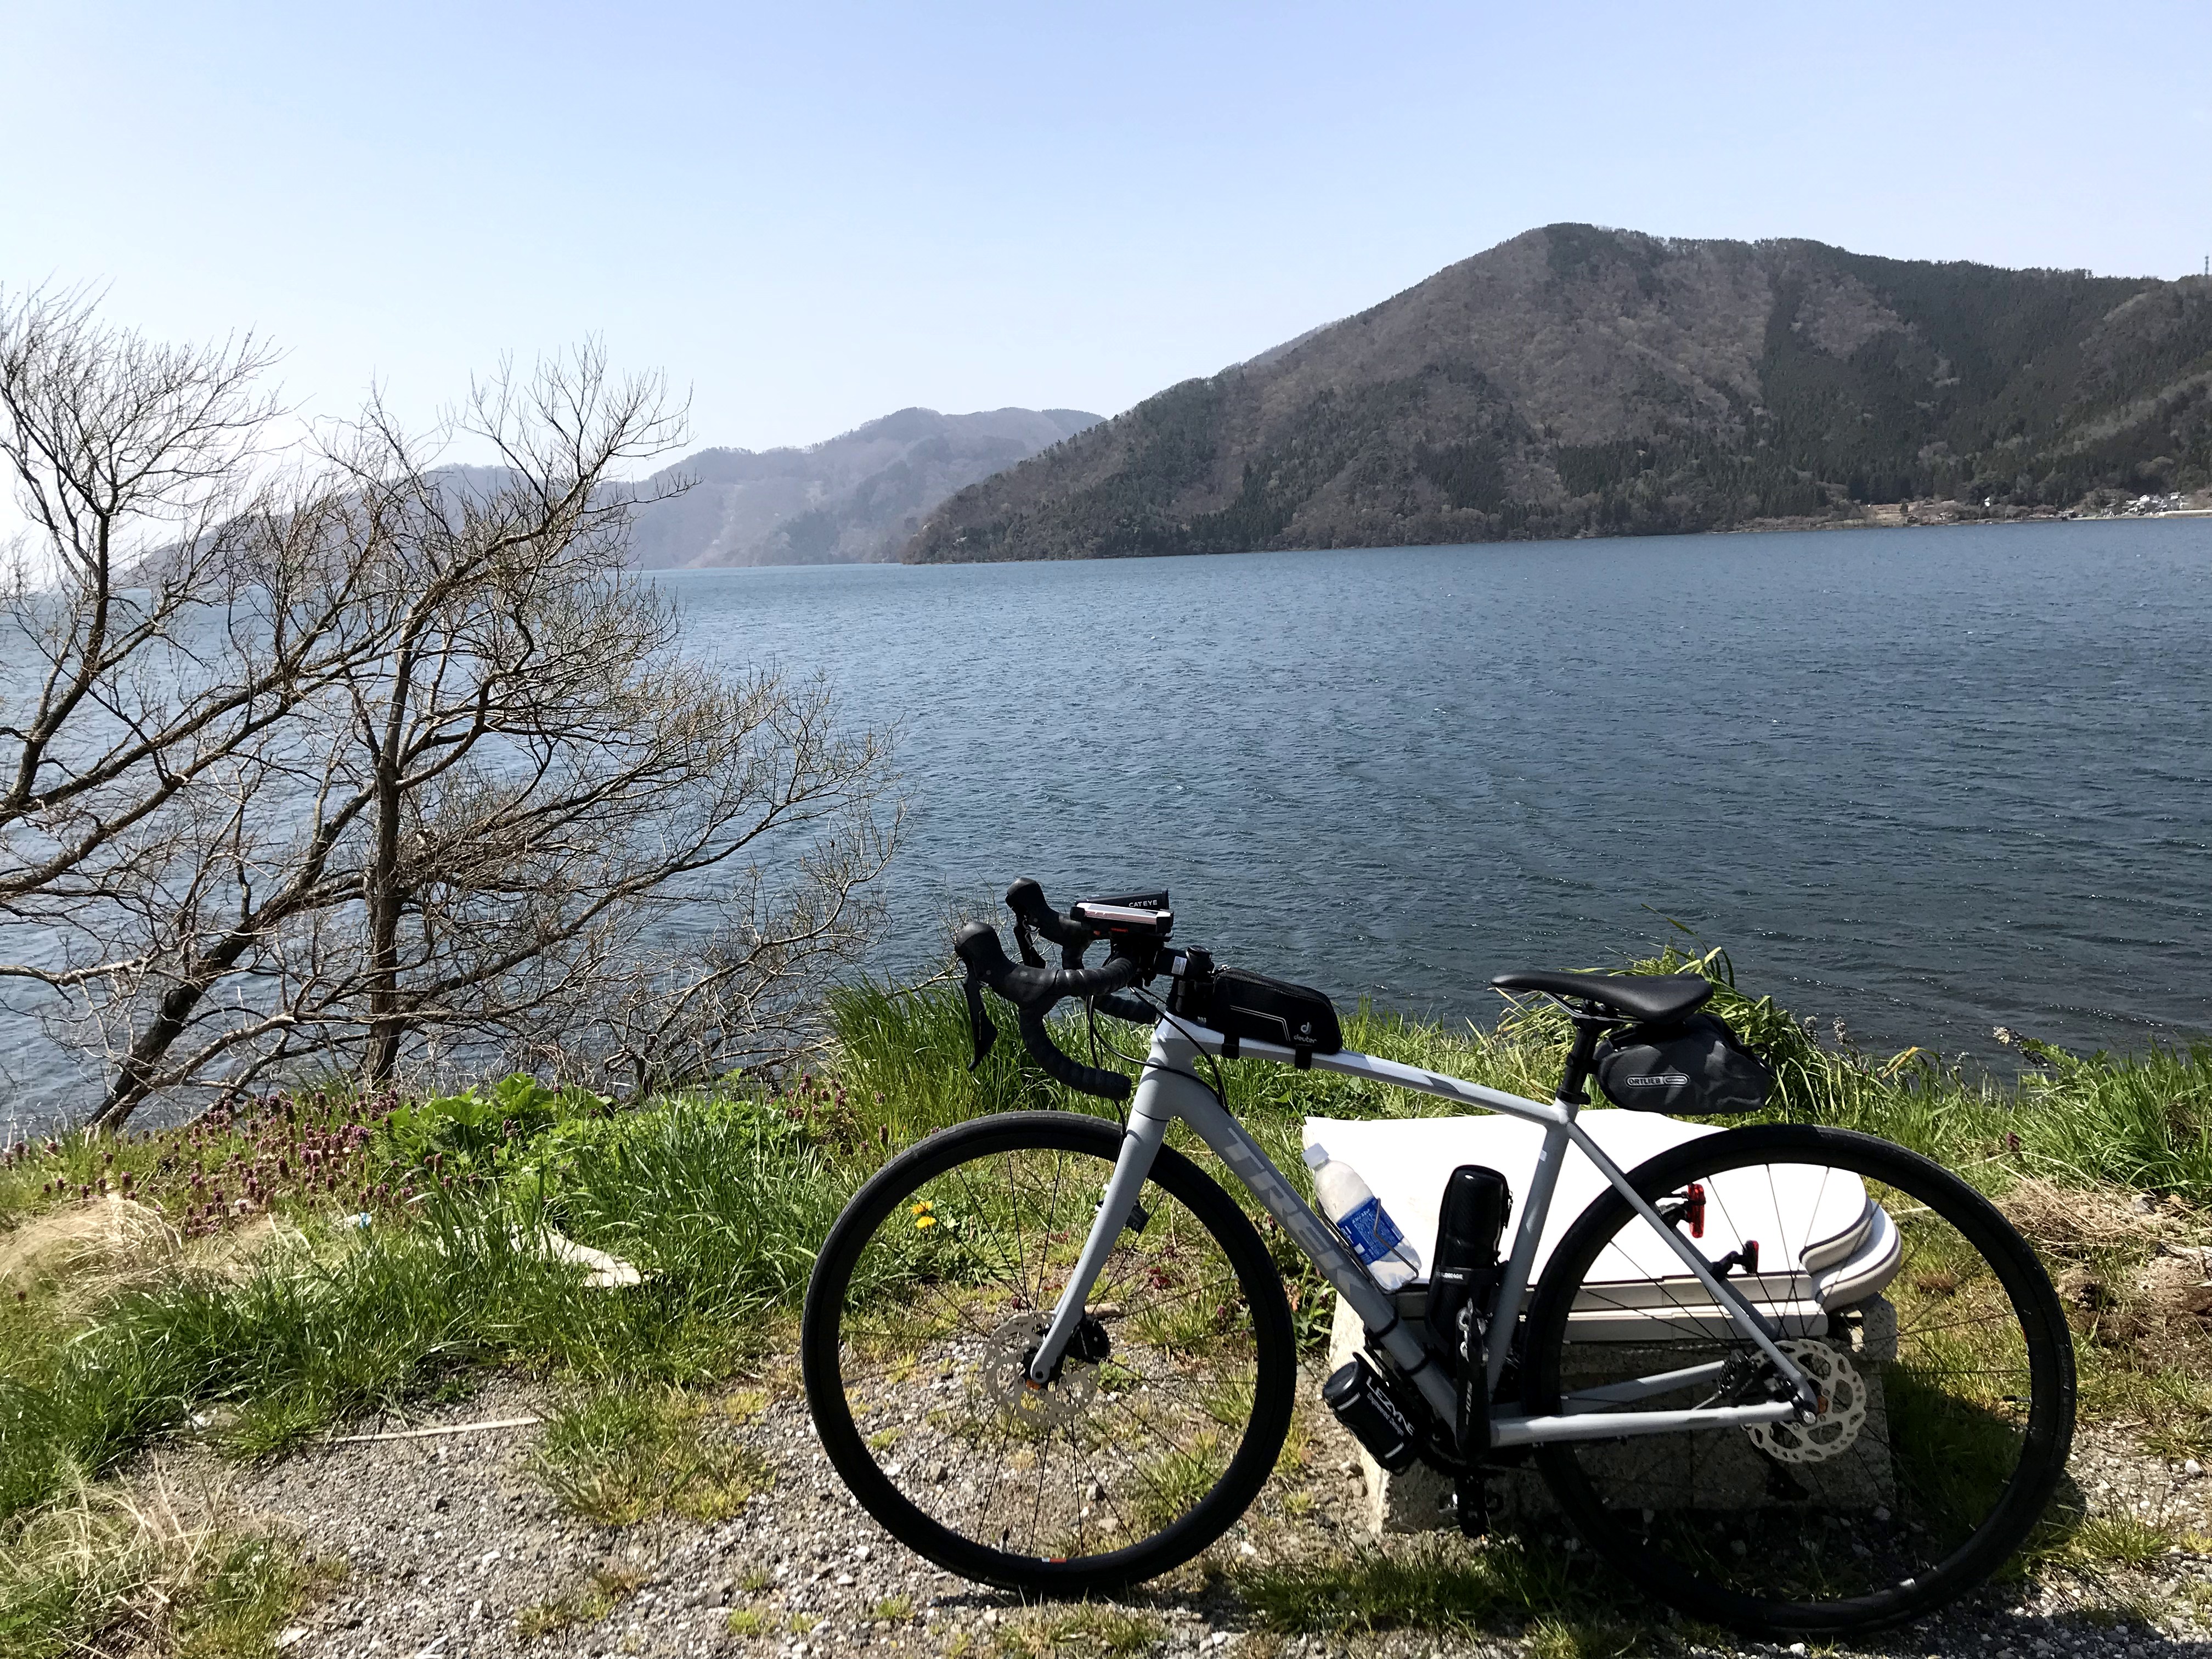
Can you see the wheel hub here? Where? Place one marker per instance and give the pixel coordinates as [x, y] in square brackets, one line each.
[1842, 1408]
[1006, 1378]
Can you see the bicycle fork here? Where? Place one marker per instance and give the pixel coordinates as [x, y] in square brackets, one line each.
[1170, 1089]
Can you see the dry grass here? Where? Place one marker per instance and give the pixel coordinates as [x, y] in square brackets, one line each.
[2132, 1275]
[82, 1252]
[107, 1571]
[2085, 1221]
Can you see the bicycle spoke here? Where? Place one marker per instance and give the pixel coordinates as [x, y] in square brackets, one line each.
[1864, 1508]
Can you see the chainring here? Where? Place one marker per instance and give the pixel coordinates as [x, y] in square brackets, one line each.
[1843, 1393]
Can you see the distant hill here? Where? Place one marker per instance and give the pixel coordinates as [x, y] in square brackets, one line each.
[856, 497]
[1577, 381]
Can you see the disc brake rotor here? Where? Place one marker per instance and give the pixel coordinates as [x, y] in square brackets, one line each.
[1005, 1376]
[1843, 1413]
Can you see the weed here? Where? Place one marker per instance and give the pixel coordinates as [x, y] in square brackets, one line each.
[2121, 1540]
[608, 1589]
[1561, 1638]
[744, 1406]
[897, 1609]
[625, 1456]
[748, 1621]
[1092, 1630]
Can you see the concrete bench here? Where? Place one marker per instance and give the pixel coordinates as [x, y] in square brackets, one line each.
[1407, 1163]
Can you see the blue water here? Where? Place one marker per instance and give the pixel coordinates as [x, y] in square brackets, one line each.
[1925, 781]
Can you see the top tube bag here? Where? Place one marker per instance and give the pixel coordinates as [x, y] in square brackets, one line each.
[1251, 1007]
[1693, 1067]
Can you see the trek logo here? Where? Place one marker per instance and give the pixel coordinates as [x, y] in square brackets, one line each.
[1658, 1080]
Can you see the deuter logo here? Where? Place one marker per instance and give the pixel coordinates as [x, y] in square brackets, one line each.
[1659, 1080]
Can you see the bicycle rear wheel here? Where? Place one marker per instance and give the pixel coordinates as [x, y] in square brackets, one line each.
[1931, 1329]
[928, 1299]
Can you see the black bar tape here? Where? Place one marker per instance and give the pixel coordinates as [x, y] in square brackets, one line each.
[1084, 1079]
[1127, 1008]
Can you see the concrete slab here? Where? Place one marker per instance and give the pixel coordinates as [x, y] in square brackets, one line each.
[1724, 1472]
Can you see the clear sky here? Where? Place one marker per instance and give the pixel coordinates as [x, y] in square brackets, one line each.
[812, 213]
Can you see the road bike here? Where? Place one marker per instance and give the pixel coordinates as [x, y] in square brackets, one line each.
[1789, 1379]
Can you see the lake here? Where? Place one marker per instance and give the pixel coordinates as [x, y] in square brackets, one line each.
[1925, 781]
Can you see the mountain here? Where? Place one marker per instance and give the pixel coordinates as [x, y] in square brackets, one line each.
[1577, 381]
[856, 497]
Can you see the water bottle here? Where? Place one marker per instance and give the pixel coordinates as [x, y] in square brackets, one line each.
[1359, 1216]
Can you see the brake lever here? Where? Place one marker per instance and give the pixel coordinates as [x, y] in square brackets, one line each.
[980, 1025]
[1025, 941]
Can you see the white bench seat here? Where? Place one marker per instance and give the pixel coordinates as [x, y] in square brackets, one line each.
[1845, 1247]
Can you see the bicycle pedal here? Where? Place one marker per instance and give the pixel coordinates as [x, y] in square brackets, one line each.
[1471, 1505]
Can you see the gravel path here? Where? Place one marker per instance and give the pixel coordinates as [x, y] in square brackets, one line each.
[449, 1544]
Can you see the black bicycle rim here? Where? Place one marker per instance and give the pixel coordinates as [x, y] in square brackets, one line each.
[844, 1360]
[1968, 1422]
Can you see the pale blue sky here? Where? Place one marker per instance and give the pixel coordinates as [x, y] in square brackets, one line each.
[812, 215]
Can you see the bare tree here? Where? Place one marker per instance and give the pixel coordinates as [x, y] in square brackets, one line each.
[483, 787]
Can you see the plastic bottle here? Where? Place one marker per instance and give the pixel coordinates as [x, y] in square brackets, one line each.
[1359, 1216]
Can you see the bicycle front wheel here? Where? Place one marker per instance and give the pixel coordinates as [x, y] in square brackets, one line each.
[928, 1299]
[1931, 1331]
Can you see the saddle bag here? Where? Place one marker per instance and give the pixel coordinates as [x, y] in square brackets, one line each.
[1693, 1068]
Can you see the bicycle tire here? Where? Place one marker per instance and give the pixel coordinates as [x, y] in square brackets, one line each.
[1819, 1534]
[876, 1481]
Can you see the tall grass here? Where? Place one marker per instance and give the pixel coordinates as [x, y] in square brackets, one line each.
[2141, 1121]
[722, 1200]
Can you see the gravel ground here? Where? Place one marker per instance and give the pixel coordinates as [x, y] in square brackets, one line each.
[450, 1541]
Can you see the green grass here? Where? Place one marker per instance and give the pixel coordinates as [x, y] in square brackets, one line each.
[722, 1197]
[606, 1590]
[721, 1204]
[1425, 1584]
[627, 1456]
[2139, 1122]
[2119, 1541]
[1568, 1638]
[1091, 1631]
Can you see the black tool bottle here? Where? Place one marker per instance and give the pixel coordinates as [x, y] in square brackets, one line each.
[1462, 1287]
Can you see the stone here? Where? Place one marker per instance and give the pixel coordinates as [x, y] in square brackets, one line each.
[1735, 1477]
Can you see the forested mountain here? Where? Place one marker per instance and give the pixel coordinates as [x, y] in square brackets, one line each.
[1575, 381]
[856, 497]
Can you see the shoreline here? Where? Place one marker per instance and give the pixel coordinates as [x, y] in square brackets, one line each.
[1877, 515]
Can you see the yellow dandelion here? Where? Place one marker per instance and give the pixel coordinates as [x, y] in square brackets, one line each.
[923, 1208]
[925, 1221]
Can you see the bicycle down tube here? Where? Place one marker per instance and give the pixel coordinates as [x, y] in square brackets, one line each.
[1170, 1089]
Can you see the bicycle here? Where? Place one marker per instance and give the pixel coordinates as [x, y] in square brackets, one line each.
[1051, 1353]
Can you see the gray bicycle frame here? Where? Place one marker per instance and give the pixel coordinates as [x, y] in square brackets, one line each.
[1170, 1089]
